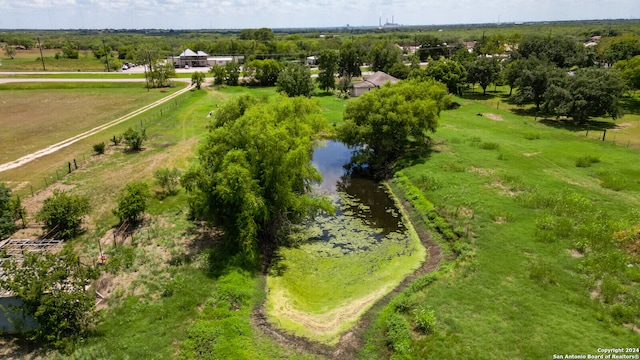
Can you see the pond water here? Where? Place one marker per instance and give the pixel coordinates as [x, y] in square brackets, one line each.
[345, 261]
[355, 196]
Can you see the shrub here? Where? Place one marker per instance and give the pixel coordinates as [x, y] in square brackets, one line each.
[489, 146]
[132, 202]
[613, 181]
[542, 274]
[397, 333]
[586, 161]
[7, 225]
[99, 148]
[168, 179]
[134, 139]
[532, 136]
[116, 140]
[425, 319]
[62, 213]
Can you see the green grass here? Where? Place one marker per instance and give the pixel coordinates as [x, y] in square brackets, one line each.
[524, 295]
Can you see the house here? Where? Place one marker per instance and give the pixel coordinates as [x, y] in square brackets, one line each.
[371, 82]
[190, 58]
[312, 61]
[219, 60]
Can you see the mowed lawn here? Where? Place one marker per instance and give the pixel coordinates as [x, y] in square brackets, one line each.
[528, 293]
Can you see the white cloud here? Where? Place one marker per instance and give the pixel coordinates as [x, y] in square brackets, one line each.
[185, 14]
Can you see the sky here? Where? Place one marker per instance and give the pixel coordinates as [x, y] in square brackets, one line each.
[240, 14]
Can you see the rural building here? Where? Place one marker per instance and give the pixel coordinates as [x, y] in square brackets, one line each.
[371, 82]
[190, 58]
[312, 60]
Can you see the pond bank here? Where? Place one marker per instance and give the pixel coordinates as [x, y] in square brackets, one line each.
[351, 341]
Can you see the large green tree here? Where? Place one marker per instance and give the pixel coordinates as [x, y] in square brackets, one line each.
[132, 202]
[447, 71]
[349, 61]
[265, 72]
[484, 71]
[53, 288]
[532, 79]
[630, 72]
[384, 55]
[255, 173]
[328, 66]
[587, 93]
[295, 80]
[387, 123]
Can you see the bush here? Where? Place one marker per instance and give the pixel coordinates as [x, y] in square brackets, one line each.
[168, 179]
[62, 213]
[7, 225]
[586, 161]
[99, 148]
[116, 140]
[532, 136]
[425, 319]
[53, 290]
[134, 139]
[132, 202]
[398, 334]
[489, 146]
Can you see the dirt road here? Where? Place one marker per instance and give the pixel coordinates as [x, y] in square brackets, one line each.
[55, 147]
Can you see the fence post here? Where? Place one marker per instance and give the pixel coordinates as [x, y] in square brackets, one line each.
[75, 164]
[604, 134]
[69, 163]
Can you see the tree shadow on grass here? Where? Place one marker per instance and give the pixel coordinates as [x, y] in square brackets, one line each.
[631, 105]
[591, 125]
[479, 96]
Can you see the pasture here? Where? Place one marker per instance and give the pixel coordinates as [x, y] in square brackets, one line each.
[528, 289]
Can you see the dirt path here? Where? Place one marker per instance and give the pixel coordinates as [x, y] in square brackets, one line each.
[55, 147]
[351, 341]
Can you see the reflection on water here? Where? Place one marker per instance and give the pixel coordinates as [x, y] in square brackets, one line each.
[357, 197]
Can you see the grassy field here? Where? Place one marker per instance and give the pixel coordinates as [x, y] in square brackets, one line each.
[546, 277]
[535, 206]
[78, 107]
[30, 60]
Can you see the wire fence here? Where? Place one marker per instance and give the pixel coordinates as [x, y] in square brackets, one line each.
[81, 159]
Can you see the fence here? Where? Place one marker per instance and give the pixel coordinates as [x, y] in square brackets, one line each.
[80, 160]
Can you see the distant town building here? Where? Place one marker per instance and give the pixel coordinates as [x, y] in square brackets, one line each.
[376, 80]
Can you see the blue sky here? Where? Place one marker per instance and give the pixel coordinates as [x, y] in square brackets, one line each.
[238, 14]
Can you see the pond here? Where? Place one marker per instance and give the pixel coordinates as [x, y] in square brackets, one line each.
[347, 261]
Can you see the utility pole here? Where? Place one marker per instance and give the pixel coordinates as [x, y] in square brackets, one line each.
[106, 55]
[41, 57]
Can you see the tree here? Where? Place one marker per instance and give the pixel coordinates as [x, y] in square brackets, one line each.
[587, 93]
[511, 73]
[328, 66]
[197, 78]
[132, 202]
[7, 225]
[168, 179]
[349, 61]
[616, 48]
[233, 73]
[70, 50]
[561, 51]
[266, 71]
[255, 173]
[62, 214]
[483, 70]
[389, 122]
[218, 73]
[9, 51]
[53, 290]
[447, 71]
[399, 70]
[532, 80]
[295, 80]
[134, 139]
[630, 72]
[157, 72]
[384, 55]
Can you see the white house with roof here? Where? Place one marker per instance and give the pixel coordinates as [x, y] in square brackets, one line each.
[376, 80]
